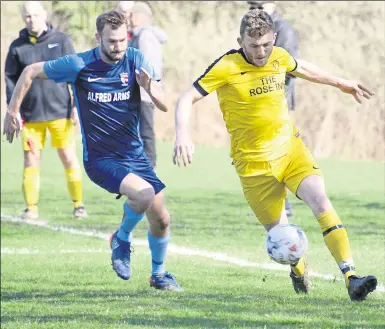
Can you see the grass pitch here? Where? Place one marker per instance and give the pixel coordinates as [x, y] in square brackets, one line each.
[56, 279]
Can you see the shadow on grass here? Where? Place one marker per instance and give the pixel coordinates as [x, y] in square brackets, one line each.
[194, 310]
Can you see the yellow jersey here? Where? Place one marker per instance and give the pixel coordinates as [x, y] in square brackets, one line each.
[253, 104]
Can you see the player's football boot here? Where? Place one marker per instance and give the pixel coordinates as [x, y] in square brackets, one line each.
[165, 281]
[29, 214]
[301, 283]
[80, 212]
[359, 287]
[120, 258]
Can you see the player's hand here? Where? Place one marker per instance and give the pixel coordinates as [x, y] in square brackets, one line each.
[183, 150]
[355, 88]
[12, 125]
[143, 79]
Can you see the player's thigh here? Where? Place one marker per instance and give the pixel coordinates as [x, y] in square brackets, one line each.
[62, 133]
[265, 196]
[302, 164]
[282, 220]
[137, 190]
[33, 136]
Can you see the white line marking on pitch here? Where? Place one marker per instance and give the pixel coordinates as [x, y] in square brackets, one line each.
[175, 249]
[26, 251]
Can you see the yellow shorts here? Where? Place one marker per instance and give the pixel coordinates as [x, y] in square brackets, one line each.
[264, 183]
[61, 130]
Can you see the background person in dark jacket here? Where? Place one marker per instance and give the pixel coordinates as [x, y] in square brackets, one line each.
[287, 38]
[47, 106]
[148, 39]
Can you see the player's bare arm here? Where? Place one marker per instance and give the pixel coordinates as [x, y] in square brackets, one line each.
[153, 89]
[183, 147]
[12, 121]
[313, 73]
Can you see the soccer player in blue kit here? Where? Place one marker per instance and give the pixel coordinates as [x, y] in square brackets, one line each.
[106, 82]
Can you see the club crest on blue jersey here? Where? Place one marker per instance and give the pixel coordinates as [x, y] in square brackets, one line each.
[124, 78]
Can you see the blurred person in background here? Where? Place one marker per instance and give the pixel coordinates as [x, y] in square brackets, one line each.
[47, 106]
[125, 7]
[287, 38]
[148, 39]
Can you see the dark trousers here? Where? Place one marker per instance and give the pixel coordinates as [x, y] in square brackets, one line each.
[146, 129]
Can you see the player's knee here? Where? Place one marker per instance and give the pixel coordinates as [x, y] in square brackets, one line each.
[164, 220]
[31, 159]
[143, 200]
[68, 157]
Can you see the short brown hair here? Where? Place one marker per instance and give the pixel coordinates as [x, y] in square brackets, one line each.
[112, 18]
[256, 23]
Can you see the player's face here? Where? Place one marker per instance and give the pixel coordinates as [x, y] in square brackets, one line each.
[113, 43]
[34, 17]
[258, 49]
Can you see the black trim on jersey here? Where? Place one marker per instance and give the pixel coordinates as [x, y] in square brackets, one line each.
[295, 67]
[199, 88]
[196, 84]
[240, 50]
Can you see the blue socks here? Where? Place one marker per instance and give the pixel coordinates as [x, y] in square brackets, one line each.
[130, 219]
[158, 247]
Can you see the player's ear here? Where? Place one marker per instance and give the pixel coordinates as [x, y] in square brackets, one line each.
[275, 37]
[240, 41]
[97, 37]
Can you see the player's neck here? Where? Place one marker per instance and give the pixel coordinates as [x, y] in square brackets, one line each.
[105, 59]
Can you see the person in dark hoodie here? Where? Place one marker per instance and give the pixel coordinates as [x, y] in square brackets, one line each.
[47, 106]
[148, 39]
[287, 38]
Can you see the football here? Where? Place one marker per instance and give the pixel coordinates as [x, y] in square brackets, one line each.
[286, 243]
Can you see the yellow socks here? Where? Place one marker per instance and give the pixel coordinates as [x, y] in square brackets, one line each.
[336, 239]
[75, 186]
[299, 268]
[31, 186]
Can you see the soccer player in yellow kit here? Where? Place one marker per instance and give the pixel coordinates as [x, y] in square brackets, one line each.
[267, 151]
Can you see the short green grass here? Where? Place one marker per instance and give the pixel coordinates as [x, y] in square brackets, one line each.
[66, 281]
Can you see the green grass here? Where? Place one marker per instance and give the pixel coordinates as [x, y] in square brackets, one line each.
[67, 281]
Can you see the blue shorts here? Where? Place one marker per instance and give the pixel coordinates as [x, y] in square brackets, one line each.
[108, 173]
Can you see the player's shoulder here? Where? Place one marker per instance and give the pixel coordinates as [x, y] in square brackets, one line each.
[133, 53]
[79, 60]
[227, 59]
[16, 43]
[21, 40]
[279, 52]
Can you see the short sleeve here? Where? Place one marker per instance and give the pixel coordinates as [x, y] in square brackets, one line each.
[141, 61]
[64, 69]
[215, 76]
[288, 61]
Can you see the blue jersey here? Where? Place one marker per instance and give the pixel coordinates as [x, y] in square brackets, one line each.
[107, 97]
